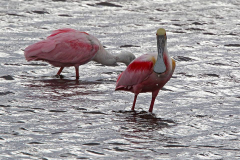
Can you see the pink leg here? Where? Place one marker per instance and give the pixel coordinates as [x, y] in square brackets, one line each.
[152, 103]
[60, 70]
[77, 72]
[154, 95]
[134, 102]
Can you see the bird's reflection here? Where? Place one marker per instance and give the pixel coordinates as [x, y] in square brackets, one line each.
[140, 127]
[55, 83]
[58, 89]
[141, 121]
[61, 83]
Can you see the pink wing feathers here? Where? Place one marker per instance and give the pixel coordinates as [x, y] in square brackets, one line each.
[64, 47]
[139, 70]
[64, 30]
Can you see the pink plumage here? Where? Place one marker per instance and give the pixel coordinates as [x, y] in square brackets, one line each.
[64, 48]
[140, 77]
[68, 47]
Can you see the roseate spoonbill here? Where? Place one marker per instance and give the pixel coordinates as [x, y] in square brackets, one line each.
[149, 72]
[68, 47]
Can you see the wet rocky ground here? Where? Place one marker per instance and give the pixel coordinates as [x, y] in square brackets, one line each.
[196, 115]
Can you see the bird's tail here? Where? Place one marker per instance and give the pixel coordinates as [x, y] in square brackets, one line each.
[34, 51]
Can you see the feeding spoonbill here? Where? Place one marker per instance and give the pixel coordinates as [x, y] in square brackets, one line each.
[149, 72]
[68, 47]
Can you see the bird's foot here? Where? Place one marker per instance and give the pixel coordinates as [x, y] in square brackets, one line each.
[59, 76]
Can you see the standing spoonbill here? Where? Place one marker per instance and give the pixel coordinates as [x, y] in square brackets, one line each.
[68, 47]
[149, 72]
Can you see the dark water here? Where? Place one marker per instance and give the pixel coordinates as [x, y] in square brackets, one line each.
[196, 116]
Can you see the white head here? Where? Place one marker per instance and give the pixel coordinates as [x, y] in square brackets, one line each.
[108, 59]
[125, 57]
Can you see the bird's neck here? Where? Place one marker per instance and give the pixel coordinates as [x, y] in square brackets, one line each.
[104, 57]
[160, 65]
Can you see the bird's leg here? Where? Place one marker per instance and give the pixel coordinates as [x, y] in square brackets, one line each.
[134, 102]
[59, 72]
[152, 103]
[77, 72]
[154, 95]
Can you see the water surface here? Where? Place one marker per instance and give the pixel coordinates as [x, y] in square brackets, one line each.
[196, 115]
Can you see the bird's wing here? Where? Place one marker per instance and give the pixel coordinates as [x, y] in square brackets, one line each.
[136, 72]
[64, 46]
[64, 30]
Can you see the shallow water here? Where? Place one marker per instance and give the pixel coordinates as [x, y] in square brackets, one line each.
[196, 115]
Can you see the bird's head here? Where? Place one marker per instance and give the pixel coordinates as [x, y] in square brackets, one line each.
[161, 39]
[161, 32]
[125, 57]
